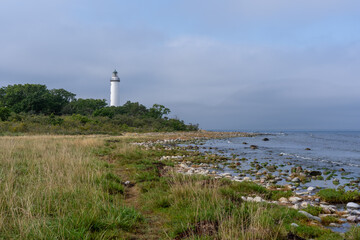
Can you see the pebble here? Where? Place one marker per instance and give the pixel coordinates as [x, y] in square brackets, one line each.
[296, 179]
[294, 225]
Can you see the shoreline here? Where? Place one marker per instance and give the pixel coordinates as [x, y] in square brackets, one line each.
[345, 212]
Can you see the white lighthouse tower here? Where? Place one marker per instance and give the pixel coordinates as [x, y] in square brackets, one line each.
[114, 91]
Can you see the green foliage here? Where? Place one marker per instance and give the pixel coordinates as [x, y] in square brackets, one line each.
[353, 233]
[313, 210]
[158, 111]
[4, 113]
[339, 196]
[84, 106]
[34, 98]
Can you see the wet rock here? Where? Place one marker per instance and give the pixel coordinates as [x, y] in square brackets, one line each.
[245, 143]
[296, 179]
[352, 205]
[307, 149]
[354, 212]
[254, 147]
[265, 139]
[308, 215]
[334, 225]
[311, 189]
[315, 173]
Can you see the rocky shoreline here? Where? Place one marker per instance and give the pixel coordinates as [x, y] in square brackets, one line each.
[199, 160]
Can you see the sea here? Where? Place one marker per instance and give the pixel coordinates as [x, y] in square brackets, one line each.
[324, 151]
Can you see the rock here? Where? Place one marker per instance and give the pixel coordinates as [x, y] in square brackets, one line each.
[354, 212]
[296, 206]
[342, 170]
[308, 215]
[315, 173]
[296, 179]
[245, 143]
[183, 165]
[307, 149]
[311, 189]
[265, 139]
[294, 225]
[295, 199]
[304, 204]
[250, 199]
[283, 200]
[334, 225]
[258, 199]
[254, 147]
[352, 205]
[352, 218]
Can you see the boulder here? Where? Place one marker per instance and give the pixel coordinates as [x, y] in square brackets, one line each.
[352, 218]
[308, 215]
[352, 205]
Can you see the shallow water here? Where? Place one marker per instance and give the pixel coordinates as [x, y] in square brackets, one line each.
[333, 151]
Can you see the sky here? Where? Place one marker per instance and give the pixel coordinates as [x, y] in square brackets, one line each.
[226, 65]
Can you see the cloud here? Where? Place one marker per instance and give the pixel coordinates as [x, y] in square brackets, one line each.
[224, 64]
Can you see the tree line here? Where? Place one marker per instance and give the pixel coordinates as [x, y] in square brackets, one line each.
[21, 101]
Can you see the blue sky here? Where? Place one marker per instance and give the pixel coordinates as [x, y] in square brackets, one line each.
[232, 64]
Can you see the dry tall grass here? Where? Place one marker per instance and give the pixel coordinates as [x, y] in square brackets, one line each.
[43, 179]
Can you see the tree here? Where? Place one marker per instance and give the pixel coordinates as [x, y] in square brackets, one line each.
[158, 111]
[4, 113]
[84, 106]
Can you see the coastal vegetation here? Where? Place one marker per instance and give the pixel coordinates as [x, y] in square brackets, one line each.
[103, 187]
[32, 108]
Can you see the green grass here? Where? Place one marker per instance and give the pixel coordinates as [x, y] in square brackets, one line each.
[339, 196]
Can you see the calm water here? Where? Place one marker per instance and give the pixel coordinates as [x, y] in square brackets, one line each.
[331, 150]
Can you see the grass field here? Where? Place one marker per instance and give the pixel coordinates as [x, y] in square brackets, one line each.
[72, 187]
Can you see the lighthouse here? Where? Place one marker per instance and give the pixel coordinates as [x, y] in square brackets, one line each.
[114, 90]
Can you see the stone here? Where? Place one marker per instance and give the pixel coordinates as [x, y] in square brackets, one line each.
[283, 200]
[304, 204]
[295, 199]
[352, 205]
[294, 225]
[311, 189]
[258, 199]
[315, 173]
[265, 139]
[247, 179]
[254, 147]
[307, 149]
[354, 212]
[308, 215]
[296, 206]
[296, 179]
[250, 199]
[334, 225]
[352, 218]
